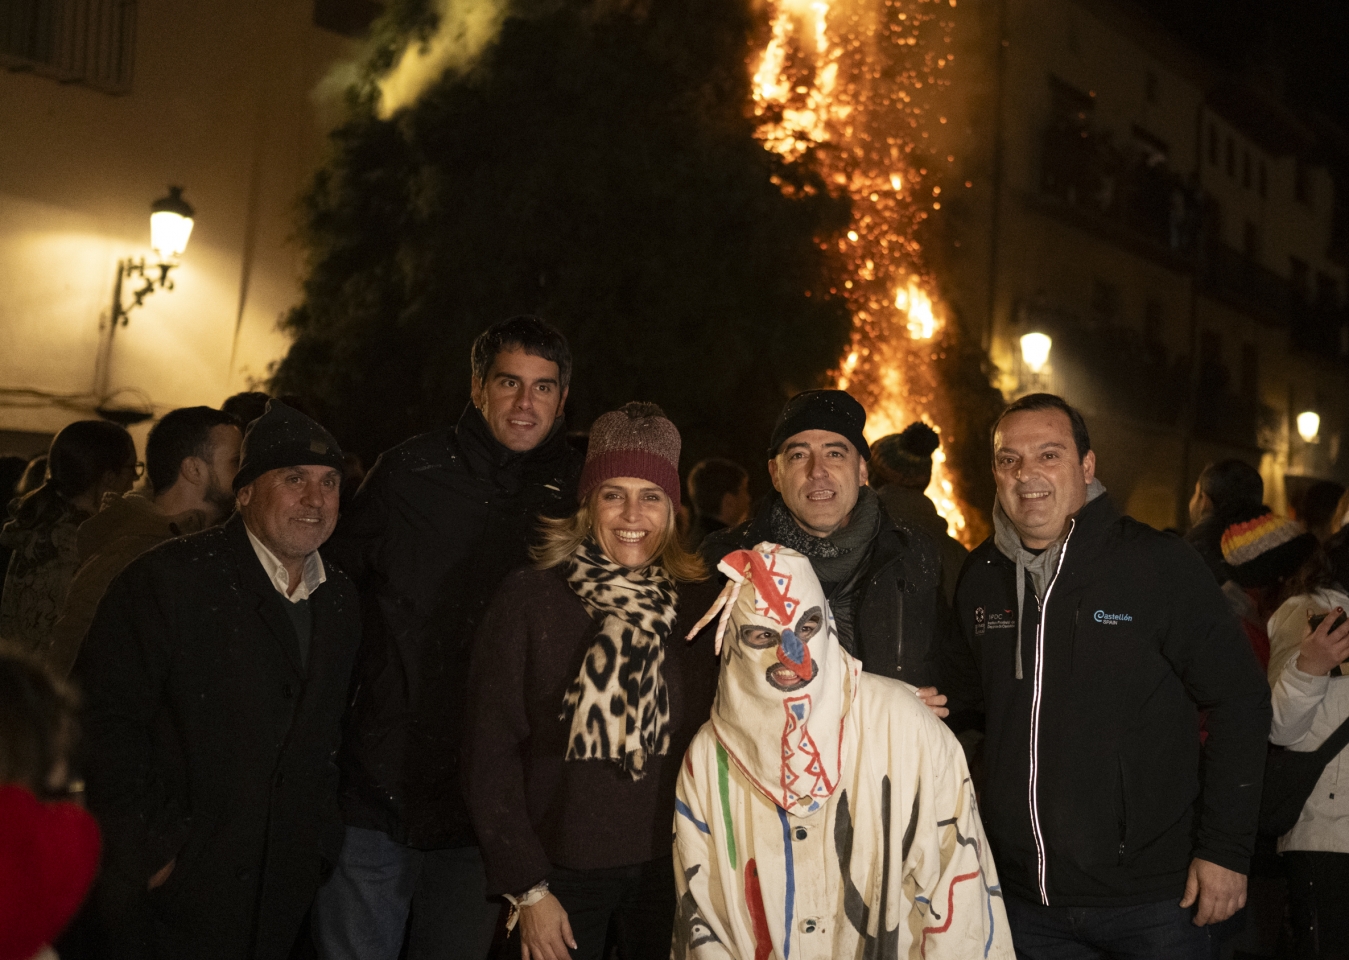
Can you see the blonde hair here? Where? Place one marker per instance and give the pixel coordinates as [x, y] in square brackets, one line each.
[561, 537]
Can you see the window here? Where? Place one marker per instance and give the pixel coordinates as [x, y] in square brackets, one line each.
[1250, 370]
[1297, 277]
[1070, 104]
[1104, 301]
[1302, 184]
[350, 18]
[1153, 321]
[1251, 240]
[92, 42]
[1327, 291]
[1262, 181]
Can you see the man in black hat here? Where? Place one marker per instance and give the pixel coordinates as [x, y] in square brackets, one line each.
[882, 580]
[215, 675]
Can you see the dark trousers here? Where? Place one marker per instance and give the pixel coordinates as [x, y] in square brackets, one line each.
[1150, 931]
[639, 900]
[1318, 897]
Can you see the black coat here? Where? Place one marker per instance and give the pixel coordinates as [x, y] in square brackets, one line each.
[1102, 730]
[437, 525]
[899, 606]
[208, 744]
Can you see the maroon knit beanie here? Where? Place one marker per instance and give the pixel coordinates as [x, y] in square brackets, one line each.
[636, 440]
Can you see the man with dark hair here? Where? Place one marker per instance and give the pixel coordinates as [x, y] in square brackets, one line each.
[882, 580]
[901, 469]
[719, 489]
[215, 675]
[1317, 508]
[191, 457]
[1224, 490]
[246, 407]
[1090, 642]
[437, 524]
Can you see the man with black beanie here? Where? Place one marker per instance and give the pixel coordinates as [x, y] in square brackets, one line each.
[215, 675]
[882, 579]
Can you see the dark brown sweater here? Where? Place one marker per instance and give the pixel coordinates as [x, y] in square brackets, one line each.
[531, 809]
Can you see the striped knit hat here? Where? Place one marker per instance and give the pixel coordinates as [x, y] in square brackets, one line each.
[636, 440]
[1262, 547]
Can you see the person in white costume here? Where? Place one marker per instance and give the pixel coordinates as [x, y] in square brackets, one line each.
[822, 812]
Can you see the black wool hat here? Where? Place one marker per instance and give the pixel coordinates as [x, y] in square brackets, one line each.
[907, 455]
[831, 410]
[284, 437]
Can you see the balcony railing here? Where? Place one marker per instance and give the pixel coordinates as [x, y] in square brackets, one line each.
[1133, 193]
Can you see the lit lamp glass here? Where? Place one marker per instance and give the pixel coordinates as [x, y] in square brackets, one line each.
[1308, 425]
[170, 225]
[1035, 351]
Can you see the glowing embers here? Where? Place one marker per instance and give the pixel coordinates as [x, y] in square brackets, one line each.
[916, 305]
[795, 81]
[843, 85]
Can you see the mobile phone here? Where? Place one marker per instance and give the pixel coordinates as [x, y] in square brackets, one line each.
[1316, 619]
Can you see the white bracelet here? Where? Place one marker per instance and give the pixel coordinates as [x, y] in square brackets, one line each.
[527, 899]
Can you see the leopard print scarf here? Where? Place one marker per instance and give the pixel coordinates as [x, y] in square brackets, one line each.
[617, 705]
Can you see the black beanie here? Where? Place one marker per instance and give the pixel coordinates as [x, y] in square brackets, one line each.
[284, 437]
[831, 410]
[908, 455]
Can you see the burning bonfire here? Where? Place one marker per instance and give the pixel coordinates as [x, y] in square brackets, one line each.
[846, 85]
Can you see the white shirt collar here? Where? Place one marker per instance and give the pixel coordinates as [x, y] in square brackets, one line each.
[313, 574]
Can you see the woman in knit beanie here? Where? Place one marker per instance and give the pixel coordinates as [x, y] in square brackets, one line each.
[1271, 558]
[584, 697]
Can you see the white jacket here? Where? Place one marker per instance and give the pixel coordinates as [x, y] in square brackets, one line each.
[1307, 710]
[894, 865]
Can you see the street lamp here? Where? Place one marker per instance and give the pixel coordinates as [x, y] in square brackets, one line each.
[1309, 425]
[1035, 351]
[170, 226]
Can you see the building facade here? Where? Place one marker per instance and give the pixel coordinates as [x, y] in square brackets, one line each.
[103, 105]
[1171, 227]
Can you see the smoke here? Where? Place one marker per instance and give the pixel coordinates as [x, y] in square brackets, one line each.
[465, 29]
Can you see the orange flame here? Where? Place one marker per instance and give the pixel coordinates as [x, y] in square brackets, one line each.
[839, 84]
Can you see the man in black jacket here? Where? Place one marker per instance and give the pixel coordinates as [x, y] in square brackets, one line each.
[882, 580]
[1092, 643]
[436, 526]
[214, 676]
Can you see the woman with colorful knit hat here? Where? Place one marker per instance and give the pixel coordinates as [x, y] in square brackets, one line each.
[1310, 700]
[584, 696]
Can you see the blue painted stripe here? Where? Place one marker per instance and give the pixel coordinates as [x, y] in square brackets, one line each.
[989, 891]
[791, 883]
[682, 808]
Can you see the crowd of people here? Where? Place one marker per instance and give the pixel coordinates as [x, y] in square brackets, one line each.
[459, 706]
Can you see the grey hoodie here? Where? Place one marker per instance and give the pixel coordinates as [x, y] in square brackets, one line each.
[1041, 566]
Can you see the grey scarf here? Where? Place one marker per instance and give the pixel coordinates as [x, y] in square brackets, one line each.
[837, 557]
[1040, 566]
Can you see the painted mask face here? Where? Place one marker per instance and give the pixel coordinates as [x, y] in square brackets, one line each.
[785, 681]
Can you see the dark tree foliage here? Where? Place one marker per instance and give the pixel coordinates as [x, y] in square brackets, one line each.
[596, 166]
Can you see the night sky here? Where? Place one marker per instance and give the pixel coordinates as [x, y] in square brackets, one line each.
[1300, 43]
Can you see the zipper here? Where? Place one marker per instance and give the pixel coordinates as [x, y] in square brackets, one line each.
[1124, 809]
[1041, 866]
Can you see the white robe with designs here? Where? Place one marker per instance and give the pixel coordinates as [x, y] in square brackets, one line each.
[895, 864]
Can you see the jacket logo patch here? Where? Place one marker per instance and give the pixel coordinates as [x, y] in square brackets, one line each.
[1112, 619]
[1006, 620]
[978, 621]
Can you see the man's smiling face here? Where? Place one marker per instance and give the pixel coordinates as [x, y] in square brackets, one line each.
[819, 474]
[520, 398]
[1042, 482]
